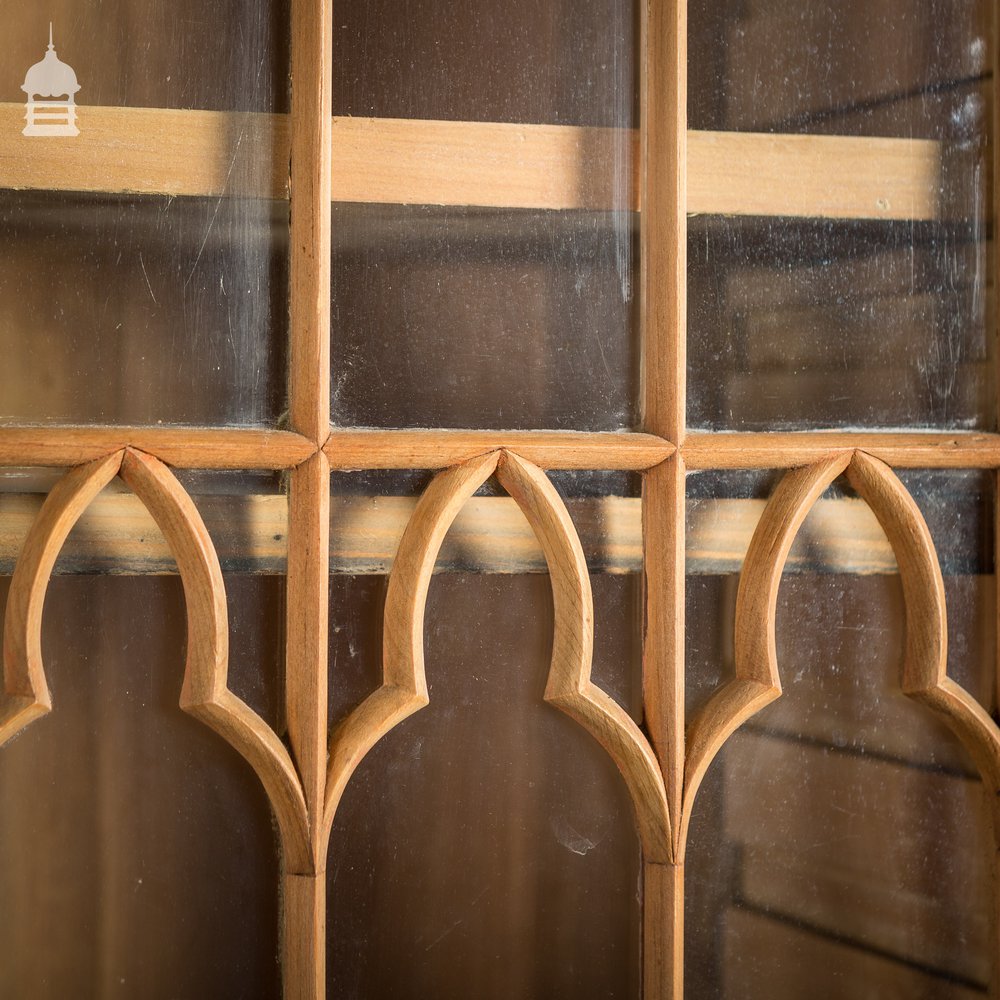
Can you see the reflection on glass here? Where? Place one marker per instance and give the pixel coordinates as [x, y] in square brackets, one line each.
[230, 55]
[840, 845]
[908, 68]
[797, 324]
[487, 846]
[117, 309]
[138, 857]
[483, 318]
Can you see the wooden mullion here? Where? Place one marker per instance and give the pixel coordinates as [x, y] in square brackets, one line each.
[306, 650]
[663, 284]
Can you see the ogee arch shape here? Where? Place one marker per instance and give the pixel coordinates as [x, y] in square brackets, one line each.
[205, 693]
[924, 675]
[569, 686]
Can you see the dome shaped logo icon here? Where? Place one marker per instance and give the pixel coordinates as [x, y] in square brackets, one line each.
[51, 87]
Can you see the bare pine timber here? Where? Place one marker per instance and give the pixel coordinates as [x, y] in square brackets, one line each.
[160, 151]
[116, 535]
[304, 915]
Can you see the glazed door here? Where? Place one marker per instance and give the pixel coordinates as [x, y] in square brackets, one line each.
[498, 500]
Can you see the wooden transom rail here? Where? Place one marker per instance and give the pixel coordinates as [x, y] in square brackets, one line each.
[662, 763]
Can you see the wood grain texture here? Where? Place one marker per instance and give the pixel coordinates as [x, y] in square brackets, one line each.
[663, 931]
[423, 449]
[310, 192]
[25, 692]
[186, 448]
[569, 685]
[756, 682]
[117, 536]
[161, 151]
[925, 665]
[404, 684]
[924, 677]
[205, 693]
[814, 176]
[404, 687]
[663, 186]
[148, 151]
[943, 450]
[303, 921]
[306, 633]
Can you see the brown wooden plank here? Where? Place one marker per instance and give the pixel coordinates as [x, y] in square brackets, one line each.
[158, 151]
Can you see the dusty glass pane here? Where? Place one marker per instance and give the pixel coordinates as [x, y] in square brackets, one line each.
[490, 317]
[230, 55]
[843, 828]
[124, 308]
[137, 856]
[487, 846]
[484, 318]
[558, 63]
[801, 323]
[117, 309]
[909, 68]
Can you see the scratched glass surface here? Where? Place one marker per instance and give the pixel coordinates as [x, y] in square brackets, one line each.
[137, 855]
[120, 308]
[842, 828]
[485, 848]
[484, 316]
[808, 323]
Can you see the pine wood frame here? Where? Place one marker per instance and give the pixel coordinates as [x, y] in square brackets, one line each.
[662, 766]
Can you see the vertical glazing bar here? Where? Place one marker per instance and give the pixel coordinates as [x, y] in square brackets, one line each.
[304, 914]
[664, 297]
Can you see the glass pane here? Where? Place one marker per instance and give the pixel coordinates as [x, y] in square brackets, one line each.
[811, 323]
[487, 846]
[138, 851]
[230, 55]
[125, 308]
[843, 828]
[908, 68]
[490, 317]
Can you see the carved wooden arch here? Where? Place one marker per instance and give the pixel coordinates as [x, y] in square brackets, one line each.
[569, 687]
[205, 693]
[924, 672]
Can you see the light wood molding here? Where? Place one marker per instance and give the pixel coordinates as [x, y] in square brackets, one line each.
[160, 151]
[569, 686]
[350, 450]
[756, 682]
[903, 450]
[925, 665]
[184, 448]
[205, 693]
[404, 687]
[26, 694]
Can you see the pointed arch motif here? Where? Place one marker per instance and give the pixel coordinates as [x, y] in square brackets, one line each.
[924, 673]
[205, 693]
[569, 687]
